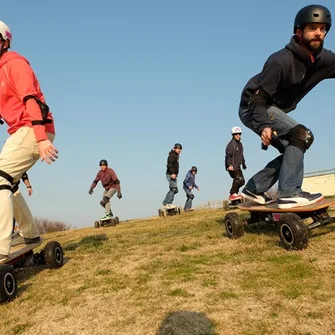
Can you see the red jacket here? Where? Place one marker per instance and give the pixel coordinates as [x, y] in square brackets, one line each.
[108, 179]
[18, 80]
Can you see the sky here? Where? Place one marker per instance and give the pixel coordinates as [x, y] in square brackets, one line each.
[127, 79]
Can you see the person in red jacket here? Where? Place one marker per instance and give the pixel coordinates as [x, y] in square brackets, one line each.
[111, 184]
[31, 129]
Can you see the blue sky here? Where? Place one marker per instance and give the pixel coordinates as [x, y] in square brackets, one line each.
[127, 79]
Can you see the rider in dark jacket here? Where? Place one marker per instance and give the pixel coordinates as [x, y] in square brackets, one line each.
[234, 160]
[287, 76]
[172, 170]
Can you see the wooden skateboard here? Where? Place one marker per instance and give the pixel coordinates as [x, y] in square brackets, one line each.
[273, 208]
[22, 256]
[292, 230]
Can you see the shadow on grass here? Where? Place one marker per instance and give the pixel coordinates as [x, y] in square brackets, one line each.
[186, 323]
[91, 242]
[260, 228]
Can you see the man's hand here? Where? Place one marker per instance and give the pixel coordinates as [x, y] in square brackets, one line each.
[47, 151]
[119, 194]
[244, 166]
[30, 190]
[90, 192]
[190, 187]
[266, 136]
[230, 168]
[173, 176]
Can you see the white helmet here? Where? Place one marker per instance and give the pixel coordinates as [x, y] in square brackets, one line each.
[236, 130]
[5, 32]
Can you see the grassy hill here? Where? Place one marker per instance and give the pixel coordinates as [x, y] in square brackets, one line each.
[127, 279]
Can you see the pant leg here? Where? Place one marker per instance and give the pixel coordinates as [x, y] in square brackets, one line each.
[109, 194]
[288, 170]
[188, 203]
[263, 180]
[19, 154]
[170, 195]
[22, 215]
[231, 173]
[238, 180]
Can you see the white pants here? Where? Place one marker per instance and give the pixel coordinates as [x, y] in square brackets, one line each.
[22, 214]
[18, 155]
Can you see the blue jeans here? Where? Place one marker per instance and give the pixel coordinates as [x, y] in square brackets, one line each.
[287, 168]
[173, 190]
[188, 203]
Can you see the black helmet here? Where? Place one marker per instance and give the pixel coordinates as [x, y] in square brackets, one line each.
[103, 162]
[194, 168]
[178, 146]
[313, 14]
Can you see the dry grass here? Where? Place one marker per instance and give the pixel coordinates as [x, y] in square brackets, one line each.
[127, 279]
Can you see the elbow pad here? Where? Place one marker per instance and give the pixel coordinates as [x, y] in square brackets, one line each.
[44, 110]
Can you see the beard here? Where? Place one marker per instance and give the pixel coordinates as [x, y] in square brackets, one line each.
[312, 46]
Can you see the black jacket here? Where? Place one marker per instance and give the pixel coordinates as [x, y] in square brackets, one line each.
[234, 154]
[172, 166]
[287, 76]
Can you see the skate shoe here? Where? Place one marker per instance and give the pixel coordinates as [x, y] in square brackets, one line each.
[107, 216]
[301, 199]
[260, 198]
[234, 196]
[18, 240]
[167, 206]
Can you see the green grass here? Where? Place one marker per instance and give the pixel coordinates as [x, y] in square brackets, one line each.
[128, 279]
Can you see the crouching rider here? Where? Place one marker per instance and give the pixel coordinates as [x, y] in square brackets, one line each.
[111, 184]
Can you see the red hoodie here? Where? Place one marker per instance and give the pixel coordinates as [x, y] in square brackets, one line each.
[17, 80]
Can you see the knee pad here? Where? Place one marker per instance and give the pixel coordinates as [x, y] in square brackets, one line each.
[174, 190]
[301, 137]
[239, 180]
[190, 196]
[104, 201]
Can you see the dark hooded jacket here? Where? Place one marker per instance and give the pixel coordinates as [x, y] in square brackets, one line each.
[172, 166]
[234, 155]
[287, 76]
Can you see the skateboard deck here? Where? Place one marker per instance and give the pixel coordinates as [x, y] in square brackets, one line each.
[20, 250]
[273, 208]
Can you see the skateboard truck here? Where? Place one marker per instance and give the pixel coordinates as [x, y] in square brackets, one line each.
[274, 136]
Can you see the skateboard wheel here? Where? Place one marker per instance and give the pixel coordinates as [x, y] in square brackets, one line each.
[96, 224]
[160, 212]
[234, 226]
[164, 213]
[53, 255]
[292, 232]
[117, 221]
[8, 283]
[180, 210]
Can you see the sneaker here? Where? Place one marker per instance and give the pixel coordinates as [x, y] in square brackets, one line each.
[234, 196]
[18, 240]
[107, 216]
[261, 198]
[301, 199]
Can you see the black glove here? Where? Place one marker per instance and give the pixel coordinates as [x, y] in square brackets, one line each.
[119, 194]
[90, 191]
[244, 166]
